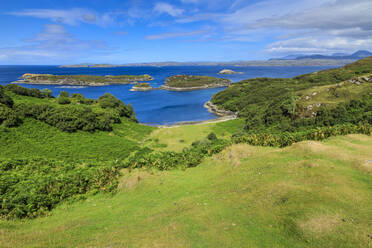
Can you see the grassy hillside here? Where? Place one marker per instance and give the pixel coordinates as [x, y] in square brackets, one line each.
[281, 104]
[312, 194]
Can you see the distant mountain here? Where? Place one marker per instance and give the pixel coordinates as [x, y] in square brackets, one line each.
[355, 56]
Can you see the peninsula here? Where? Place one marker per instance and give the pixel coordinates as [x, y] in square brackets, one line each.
[187, 82]
[86, 80]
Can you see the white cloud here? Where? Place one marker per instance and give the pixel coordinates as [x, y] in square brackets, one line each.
[162, 8]
[169, 35]
[54, 43]
[70, 17]
[301, 26]
[319, 45]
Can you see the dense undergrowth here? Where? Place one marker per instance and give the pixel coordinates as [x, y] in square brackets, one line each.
[67, 113]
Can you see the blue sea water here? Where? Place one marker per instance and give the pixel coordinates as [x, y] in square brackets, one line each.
[158, 106]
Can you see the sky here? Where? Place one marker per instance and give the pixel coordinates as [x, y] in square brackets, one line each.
[58, 32]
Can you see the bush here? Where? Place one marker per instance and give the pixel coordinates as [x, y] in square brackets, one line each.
[19, 90]
[111, 102]
[212, 136]
[30, 188]
[5, 99]
[63, 94]
[63, 100]
[69, 118]
[189, 157]
[8, 117]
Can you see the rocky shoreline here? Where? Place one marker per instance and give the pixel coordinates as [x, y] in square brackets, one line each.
[211, 86]
[218, 111]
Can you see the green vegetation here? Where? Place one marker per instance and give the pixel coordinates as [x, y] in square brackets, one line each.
[178, 137]
[46, 154]
[82, 79]
[280, 105]
[195, 185]
[312, 194]
[185, 81]
[142, 85]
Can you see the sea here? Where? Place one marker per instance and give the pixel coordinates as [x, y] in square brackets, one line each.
[158, 107]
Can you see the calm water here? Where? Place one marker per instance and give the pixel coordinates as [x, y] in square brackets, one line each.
[159, 106]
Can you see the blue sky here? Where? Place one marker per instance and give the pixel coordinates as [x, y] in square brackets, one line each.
[128, 31]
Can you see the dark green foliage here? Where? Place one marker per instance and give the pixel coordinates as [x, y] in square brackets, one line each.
[4, 98]
[66, 118]
[111, 102]
[8, 117]
[63, 100]
[19, 90]
[69, 118]
[212, 136]
[283, 139]
[189, 157]
[30, 188]
[63, 94]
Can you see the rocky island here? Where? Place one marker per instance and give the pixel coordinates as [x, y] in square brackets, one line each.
[186, 82]
[141, 87]
[229, 72]
[82, 80]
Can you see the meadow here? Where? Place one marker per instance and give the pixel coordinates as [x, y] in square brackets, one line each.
[311, 194]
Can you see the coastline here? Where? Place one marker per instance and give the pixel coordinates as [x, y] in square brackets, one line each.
[224, 115]
[170, 88]
[193, 123]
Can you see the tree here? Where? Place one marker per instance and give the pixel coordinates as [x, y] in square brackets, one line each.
[63, 94]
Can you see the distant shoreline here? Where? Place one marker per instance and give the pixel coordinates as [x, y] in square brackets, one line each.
[273, 62]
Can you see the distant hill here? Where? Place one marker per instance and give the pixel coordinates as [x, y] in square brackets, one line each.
[337, 56]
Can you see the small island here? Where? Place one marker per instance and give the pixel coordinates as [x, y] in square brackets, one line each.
[186, 82]
[229, 72]
[141, 87]
[81, 80]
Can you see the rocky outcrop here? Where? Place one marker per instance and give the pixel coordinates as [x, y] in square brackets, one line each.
[141, 87]
[219, 111]
[229, 72]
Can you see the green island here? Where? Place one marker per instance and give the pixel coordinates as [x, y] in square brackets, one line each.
[87, 80]
[141, 87]
[293, 170]
[188, 82]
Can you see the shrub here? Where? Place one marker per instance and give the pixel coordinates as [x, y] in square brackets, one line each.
[63, 100]
[63, 94]
[8, 116]
[29, 188]
[189, 157]
[111, 102]
[5, 99]
[212, 136]
[19, 90]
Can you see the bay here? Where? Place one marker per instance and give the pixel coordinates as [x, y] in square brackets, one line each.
[158, 107]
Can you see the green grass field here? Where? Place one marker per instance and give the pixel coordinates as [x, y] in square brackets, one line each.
[312, 194]
[34, 139]
[178, 137]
